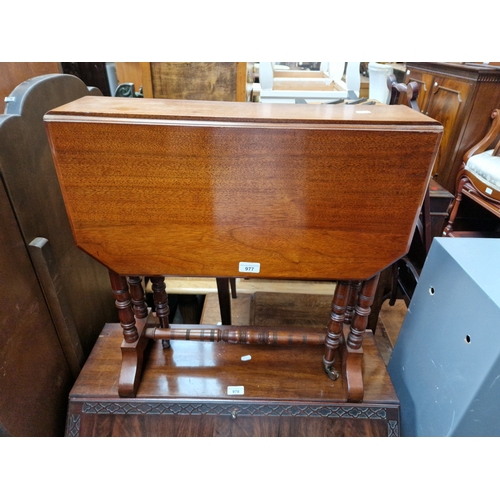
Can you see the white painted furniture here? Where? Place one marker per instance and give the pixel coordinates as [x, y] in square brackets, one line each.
[378, 74]
[312, 86]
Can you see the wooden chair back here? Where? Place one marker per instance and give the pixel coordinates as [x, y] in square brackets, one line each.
[403, 94]
[480, 184]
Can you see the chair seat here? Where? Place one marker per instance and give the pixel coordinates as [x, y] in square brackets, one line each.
[486, 168]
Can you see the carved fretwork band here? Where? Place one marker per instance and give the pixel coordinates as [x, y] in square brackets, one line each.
[137, 296]
[124, 304]
[361, 312]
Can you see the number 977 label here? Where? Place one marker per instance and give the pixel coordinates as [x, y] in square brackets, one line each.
[249, 267]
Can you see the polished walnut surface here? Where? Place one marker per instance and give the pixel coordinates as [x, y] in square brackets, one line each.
[101, 108]
[193, 188]
[206, 370]
[184, 392]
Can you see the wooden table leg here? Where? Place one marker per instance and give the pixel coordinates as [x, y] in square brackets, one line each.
[160, 299]
[132, 361]
[134, 341]
[232, 283]
[224, 300]
[137, 296]
[352, 352]
[351, 302]
[335, 325]
[123, 302]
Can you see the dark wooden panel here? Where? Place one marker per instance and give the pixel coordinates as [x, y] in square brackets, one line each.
[208, 81]
[446, 104]
[34, 376]
[461, 97]
[93, 74]
[33, 187]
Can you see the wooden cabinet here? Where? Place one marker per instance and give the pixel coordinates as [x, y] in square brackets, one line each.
[14, 73]
[55, 298]
[207, 81]
[461, 97]
[183, 393]
[34, 374]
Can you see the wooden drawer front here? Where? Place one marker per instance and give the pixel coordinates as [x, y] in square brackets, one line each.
[205, 418]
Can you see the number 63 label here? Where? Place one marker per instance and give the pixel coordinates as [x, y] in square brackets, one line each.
[249, 267]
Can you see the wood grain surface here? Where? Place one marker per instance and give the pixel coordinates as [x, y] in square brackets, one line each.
[34, 375]
[213, 81]
[194, 188]
[183, 392]
[205, 369]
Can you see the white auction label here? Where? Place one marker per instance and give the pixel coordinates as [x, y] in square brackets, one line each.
[235, 390]
[249, 267]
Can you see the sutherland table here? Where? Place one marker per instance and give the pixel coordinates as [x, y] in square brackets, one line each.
[157, 188]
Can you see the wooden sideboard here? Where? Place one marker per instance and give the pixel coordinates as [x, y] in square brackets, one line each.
[460, 97]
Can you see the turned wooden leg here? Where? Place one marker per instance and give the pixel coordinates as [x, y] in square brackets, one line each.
[454, 210]
[352, 352]
[426, 221]
[137, 296]
[351, 301]
[160, 299]
[361, 312]
[234, 293]
[134, 343]
[123, 302]
[335, 326]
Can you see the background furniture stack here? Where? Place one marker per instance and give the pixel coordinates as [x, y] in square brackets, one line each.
[461, 97]
[479, 181]
[212, 81]
[325, 85]
[54, 301]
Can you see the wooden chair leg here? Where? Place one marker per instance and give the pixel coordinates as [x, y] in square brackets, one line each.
[454, 210]
[426, 221]
[232, 282]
